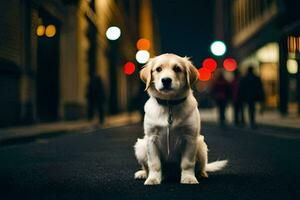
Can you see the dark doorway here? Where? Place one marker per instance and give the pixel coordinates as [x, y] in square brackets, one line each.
[10, 98]
[48, 70]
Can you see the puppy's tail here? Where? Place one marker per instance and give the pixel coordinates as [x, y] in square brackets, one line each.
[216, 166]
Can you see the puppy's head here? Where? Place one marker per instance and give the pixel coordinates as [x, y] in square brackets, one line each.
[168, 76]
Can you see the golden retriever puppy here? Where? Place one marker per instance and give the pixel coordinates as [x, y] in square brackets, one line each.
[171, 123]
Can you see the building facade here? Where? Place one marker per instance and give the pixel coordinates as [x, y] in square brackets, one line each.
[265, 34]
[50, 49]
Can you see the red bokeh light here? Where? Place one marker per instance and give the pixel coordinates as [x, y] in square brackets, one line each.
[129, 68]
[143, 44]
[204, 74]
[230, 64]
[210, 64]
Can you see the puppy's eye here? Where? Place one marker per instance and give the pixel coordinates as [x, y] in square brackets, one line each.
[177, 69]
[158, 69]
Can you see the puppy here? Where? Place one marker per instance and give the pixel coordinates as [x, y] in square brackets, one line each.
[171, 123]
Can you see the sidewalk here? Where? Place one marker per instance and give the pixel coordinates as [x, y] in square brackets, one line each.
[269, 118]
[67, 126]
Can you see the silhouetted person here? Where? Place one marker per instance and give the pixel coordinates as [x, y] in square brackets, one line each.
[252, 92]
[220, 92]
[237, 100]
[96, 98]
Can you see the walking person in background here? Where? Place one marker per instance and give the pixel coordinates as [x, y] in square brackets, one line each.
[252, 92]
[237, 100]
[221, 94]
[96, 98]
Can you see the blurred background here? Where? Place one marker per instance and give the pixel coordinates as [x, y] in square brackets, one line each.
[52, 50]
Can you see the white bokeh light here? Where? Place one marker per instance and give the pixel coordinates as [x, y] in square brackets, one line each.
[113, 33]
[218, 48]
[142, 56]
[292, 66]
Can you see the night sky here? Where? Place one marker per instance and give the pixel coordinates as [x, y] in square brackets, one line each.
[185, 26]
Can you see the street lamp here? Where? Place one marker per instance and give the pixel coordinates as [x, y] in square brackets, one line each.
[218, 48]
[113, 33]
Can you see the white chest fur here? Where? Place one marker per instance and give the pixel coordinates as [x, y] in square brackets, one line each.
[185, 126]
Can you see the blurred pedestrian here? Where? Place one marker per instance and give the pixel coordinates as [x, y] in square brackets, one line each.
[252, 92]
[237, 100]
[221, 94]
[96, 98]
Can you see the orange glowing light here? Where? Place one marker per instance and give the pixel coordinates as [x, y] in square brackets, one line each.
[129, 68]
[143, 44]
[50, 30]
[229, 64]
[204, 74]
[209, 64]
[40, 30]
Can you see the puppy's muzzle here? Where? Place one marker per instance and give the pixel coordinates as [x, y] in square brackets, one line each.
[166, 82]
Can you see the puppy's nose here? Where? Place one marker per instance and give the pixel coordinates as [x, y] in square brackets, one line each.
[166, 82]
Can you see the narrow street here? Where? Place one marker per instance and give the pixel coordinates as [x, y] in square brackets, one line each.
[263, 164]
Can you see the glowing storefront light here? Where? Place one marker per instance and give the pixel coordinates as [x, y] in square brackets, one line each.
[268, 53]
[50, 30]
[113, 33]
[142, 56]
[218, 48]
[292, 66]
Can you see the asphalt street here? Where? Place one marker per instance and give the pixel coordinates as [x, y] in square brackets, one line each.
[100, 164]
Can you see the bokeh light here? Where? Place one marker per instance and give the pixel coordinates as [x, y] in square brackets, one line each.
[210, 64]
[113, 33]
[229, 64]
[204, 74]
[129, 68]
[40, 30]
[292, 66]
[142, 56]
[143, 44]
[218, 48]
[50, 30]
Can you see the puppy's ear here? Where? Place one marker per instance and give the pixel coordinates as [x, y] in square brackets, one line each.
[146, 74]
[191, 72]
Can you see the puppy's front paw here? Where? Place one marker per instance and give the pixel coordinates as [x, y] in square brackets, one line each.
[189, 180]
[204, 174]
[141, 174]
[152, 181]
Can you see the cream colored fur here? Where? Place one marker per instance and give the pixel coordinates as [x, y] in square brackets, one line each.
[187, 144]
